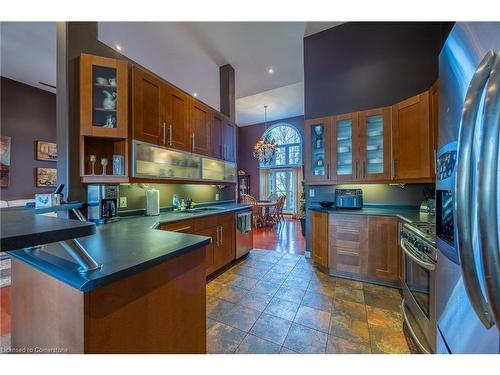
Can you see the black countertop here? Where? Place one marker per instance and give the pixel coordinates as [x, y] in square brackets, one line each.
[407, 215]
[123, 248]
[21, 228]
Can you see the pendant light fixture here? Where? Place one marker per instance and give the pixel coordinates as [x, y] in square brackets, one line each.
[265, 148]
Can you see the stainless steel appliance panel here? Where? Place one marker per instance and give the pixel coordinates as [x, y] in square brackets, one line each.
[461, 329]
[244, 234]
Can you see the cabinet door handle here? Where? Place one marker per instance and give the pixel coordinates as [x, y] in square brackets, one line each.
[218, 237]
[225, 151]
[393, 168]
[221, 241]
[171, 134]
[355, 169]
[192, 142]
[327, 171]
[164, 133]
[181, 229]
[364, 169]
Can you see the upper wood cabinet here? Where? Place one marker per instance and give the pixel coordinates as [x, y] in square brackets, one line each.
[229, 141]
[379, 145]
[344, 151]
[217, 137]
[374, 145]
[177, 118]
[412, 138]
[318, 144]
[148, 110]
[103, 97]
[201, 124]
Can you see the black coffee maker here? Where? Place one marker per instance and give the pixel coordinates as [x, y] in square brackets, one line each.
[102, 203]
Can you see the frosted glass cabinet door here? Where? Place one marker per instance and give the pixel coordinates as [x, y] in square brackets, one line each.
[345, 150]
[318, 150]
[375, 144]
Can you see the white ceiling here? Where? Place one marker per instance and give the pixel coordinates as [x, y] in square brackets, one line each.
[188, 54]
[28, 52]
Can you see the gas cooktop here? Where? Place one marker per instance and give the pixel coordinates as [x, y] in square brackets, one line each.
[425, 230]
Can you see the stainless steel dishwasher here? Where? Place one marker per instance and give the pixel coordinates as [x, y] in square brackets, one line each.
[244, 235]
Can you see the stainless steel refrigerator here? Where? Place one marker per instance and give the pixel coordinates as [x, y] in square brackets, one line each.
[468, 191]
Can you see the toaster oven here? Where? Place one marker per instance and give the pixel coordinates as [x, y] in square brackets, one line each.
[349, 198]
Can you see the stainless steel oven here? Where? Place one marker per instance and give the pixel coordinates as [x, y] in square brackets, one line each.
[419, 263]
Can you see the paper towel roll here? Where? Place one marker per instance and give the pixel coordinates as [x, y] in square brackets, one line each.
[152, 202]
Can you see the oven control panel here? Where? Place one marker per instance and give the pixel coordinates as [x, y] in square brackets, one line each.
[421, 245]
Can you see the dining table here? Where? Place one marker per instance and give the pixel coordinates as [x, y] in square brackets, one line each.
[264, 207]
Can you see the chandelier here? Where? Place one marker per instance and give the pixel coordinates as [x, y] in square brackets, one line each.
[265, 148]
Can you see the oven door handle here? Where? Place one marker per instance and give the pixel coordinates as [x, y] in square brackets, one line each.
[427, 265]
[487, 193]
[463, 190]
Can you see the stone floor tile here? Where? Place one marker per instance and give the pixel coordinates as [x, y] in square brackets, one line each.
[350, 309]
[338, 345]
[240, 317]
[382, 290]
[383, 302]
[290, 293]
[282, 309]
[275, 277]
[287, 351]
[255, 300]
[255, 345]
[384, 318]
[317, 301]
[305, 340]
[296, 282]
[266, 287]
[217, 307]
[222, 339]
[248, 272]
[353, 284]
[312, 318]
[271, 328]
[387, 340]
[243, 282]
[230, 293]
[325, 289]
[349, 294]
[348, 328]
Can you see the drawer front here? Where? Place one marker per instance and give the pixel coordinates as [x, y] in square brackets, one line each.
[347, 242]
[184, 226]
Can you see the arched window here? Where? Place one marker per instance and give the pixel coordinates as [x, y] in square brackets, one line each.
[288, 146]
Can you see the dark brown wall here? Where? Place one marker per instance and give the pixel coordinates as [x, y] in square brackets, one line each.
[28, 115]
[247, 136]
[363, 65]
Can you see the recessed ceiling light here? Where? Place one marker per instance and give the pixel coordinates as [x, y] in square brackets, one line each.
[118, 47]
[270, 71]
[195, 94]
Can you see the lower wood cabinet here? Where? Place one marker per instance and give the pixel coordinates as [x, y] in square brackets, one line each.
[358, 246]
[221, 250]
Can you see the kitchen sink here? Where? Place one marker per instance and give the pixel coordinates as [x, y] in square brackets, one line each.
[210, 208]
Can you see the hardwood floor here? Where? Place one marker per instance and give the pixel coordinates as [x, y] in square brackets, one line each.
[285, 237]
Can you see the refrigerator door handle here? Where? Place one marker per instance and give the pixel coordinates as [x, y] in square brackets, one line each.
[488, 193]
[463, 190]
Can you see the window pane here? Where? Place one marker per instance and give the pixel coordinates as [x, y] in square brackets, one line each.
[280, 156]
[293, 154]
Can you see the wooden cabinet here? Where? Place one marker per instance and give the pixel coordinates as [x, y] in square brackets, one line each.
[148, 109]
[217, 136]
[358, 246]
[374, 152]
[318, 144]
[103, 97]
[177, 111]
[348, 251]
[201, 124]
[344, 148]
[229, 141]
[412, 139]
[383, 252]
[220, 228]
[319, 235]
[103, 119]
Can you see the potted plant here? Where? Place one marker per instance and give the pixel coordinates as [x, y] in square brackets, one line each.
[302, 209]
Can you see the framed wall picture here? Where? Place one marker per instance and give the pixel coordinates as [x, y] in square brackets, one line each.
[46, 151]
[4, 161]
[46, 177]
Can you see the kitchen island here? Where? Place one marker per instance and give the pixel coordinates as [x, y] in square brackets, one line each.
[148, 296]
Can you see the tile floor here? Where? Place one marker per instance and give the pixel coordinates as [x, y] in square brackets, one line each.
[273, 302]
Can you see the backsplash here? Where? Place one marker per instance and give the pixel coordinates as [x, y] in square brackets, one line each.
[136, 194]
[409, 195]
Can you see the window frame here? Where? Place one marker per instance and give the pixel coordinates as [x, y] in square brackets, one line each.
[286, 147]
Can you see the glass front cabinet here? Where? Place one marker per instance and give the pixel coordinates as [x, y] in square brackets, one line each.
[375, 144]
[318, 150]
[103, 97]
[345, 147]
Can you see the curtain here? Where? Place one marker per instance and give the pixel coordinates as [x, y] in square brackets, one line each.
[299, 177]
[263, 184]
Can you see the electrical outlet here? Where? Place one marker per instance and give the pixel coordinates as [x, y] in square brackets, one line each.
[311, 193]
[123, 202]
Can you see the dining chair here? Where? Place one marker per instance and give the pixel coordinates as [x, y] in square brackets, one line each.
[257, 218]
[279, 208]
[273, 197]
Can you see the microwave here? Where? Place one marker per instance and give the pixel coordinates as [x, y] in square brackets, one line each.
[349, 198]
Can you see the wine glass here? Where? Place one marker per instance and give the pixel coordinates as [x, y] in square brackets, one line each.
[93, 159]
[104, 163]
